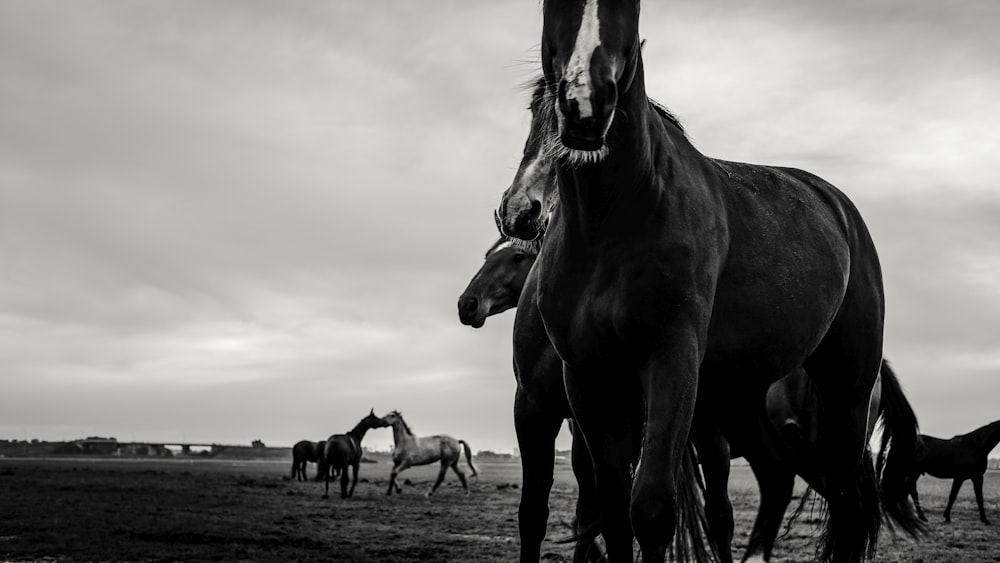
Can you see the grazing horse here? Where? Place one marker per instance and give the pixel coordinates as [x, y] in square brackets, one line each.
[671, 279]
[960, 458]
[541, 406]
[304, 452]
[411, 450]
[344, 450]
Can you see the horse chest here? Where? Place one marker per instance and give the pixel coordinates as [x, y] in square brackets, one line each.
[593, 314]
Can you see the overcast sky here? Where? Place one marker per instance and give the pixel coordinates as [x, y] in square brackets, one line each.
[222, 221]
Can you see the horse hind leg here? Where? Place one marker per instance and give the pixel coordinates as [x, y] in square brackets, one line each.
[461, 476]
[354, 480]
[977, 486]
[956, 485]
[916, 500]
[440, 478]
[776, 484]
[844, 368]
[344, 478]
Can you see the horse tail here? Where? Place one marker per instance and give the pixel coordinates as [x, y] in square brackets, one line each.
[468, 457]
[692, 525]
[897, 456]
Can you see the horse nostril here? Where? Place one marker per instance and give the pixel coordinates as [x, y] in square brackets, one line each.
[471, 304]
[536, 208]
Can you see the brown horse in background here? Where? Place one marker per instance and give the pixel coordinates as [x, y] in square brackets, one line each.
[344, 450]
[668, 278]
[412, 450]
[959, 458]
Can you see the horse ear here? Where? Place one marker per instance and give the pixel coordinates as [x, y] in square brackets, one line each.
[373, 411]
[642, 45]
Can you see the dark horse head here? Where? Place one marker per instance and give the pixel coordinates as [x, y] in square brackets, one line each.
[526, 205]
[497, 285]
[588, 54]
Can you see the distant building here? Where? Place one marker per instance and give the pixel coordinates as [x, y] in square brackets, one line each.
[95, 445]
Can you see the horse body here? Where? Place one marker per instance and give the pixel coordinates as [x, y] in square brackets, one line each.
[344, 450]
[676, 280]
[412, 450]
[961, 458]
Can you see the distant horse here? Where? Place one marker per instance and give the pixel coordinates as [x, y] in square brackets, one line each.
[666, 276]
[960, 458]
[304, 452]
[344, 450]
[411, 450]
[540, 407]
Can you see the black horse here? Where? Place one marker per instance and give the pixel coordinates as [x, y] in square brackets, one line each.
[344, 450]
[540, 407]
[960, 458]
[688, 284]
[305, 452]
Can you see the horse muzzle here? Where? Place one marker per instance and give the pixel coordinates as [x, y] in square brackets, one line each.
[470, 311]
[584, 121]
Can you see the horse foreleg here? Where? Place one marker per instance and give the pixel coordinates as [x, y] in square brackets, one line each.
[536, 437]
[588, 513]
[955, 486]
[977, 486]
[396, 470]
[713, 453]
[669, 382]
[601, 406]
[461, 476]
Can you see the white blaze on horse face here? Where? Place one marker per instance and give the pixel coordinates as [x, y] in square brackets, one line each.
[578, 86]
[529, 176]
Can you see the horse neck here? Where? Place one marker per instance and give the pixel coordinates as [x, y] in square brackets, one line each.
[399, 432]
[988, 437]
[359, 431]
[624, 182]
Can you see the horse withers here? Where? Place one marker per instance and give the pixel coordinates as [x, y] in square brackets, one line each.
[412, 450]
[342, 451]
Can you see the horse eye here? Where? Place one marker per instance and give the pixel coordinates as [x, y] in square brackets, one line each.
[519, 257]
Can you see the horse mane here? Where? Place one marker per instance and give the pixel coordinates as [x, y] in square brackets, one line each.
[402, 421]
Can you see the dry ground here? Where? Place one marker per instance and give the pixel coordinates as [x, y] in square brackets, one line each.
[204, 510]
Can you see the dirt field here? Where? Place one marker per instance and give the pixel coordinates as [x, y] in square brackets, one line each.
[203, 510]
